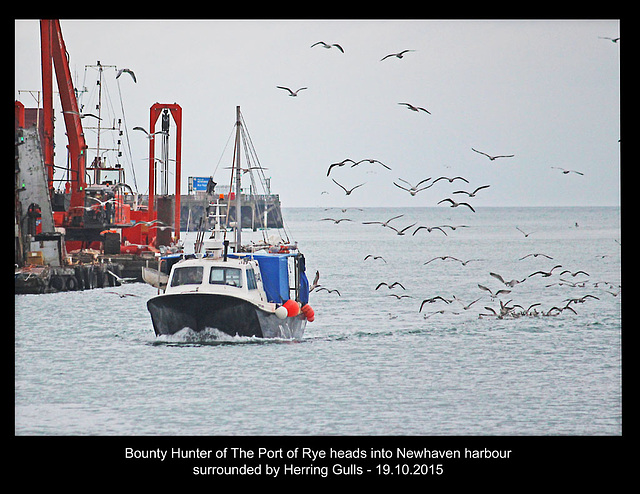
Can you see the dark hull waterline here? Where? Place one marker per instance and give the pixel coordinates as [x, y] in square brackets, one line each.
[171, 313]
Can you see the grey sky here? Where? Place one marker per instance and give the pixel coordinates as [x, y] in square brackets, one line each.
[546, 91]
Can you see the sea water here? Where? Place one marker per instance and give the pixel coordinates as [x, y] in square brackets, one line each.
[372, 363]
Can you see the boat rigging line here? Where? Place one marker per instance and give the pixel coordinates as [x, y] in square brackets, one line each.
[245, 143]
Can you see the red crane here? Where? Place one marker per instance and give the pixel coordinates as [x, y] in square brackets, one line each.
[54, 50]
[79, 226]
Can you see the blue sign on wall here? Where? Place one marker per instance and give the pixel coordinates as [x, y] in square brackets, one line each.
[199, 183]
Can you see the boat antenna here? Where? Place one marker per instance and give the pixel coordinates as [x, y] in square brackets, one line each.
[253, 163]
[238, 188]
[127, 140]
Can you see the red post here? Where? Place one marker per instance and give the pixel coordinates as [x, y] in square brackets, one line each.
[19, 115]
[177, 116]
[176, 113]
[152, 163]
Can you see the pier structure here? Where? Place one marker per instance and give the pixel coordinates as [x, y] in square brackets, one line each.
[42, 264]
[258, 210]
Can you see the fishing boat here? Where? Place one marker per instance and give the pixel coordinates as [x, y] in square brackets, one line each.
[256, 290]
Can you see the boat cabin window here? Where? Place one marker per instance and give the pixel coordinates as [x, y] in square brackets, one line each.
[191, 275]
[225, 276]
[251, 280]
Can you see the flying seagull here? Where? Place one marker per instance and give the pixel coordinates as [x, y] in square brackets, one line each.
[123, 295]
[383, 223]
[102, 203]
[451, 179]
[347, 191]
[567, 171]
[427, 316]
[327, 46]
[545, 274]
[162, 228]
[397, 55]
[535, 255]
[413, 189]
[524, 233]
[291, 93]
[510, 284]
[148, 223]
[443, 258]
[329, 291]
[371, 161]
[464, 263]
[432, 300]
[429, 229]
[493, 295]
[615, 40]
[82, 115]
[580, 300]
[336, 221]
[374, 257]
[315, 283]
[455, 204]
[119, 279]
[339, 163]
[401, 232]
[395, 283]
[454, 227]
[415, 108]
[494, 157]
[467, 306]
[128, 71]
[548, 313]
[150, 136]
[573, 274]
[471, 194]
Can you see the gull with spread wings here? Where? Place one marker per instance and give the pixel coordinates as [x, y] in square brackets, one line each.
[413, 189]
[494, 157]
[455, 204]
[128, 71]
[292, 93]
[328, 46]
[347, 191]
[397, 55]
[150, 136]
[415, 108]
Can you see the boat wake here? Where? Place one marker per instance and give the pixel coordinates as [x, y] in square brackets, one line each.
[213, 336]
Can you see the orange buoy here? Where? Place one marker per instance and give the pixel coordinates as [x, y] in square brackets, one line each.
[308, 312]
[293, 309]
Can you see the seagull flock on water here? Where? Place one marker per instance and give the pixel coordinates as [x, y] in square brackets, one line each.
[506, 286]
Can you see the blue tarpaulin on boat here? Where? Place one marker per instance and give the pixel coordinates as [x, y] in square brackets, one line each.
[275, 277]
[304, 288]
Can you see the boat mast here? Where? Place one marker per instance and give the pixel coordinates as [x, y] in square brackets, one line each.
[238, 189]
[98, 161]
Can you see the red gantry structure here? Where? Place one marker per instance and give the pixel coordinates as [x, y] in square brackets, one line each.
[176, 113]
